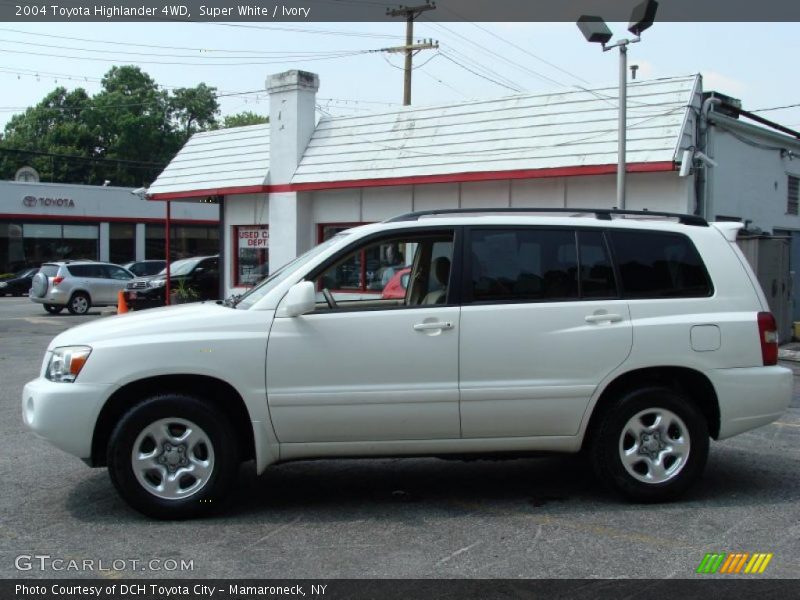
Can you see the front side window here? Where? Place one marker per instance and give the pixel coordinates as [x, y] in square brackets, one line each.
[659, 265]
[404, 270]
[514, 265]
[113, 272]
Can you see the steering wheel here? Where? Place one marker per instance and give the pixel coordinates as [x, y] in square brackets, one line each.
[326, 293]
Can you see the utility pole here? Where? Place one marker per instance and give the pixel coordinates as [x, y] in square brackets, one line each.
[410, 13]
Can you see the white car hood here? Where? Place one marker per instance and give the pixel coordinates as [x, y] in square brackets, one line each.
[157, 322]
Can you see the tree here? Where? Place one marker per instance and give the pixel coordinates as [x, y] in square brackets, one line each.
[126, 133]
[243, 118]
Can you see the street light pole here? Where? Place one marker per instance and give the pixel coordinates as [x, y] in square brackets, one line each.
[623, 125]
[595, 30]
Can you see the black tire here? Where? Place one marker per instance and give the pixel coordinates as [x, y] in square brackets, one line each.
[79, 303]
[224, 449]
[53, 309]
[607, 445]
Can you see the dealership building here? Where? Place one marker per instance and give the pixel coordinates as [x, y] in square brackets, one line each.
[41, 222]
[290, 184]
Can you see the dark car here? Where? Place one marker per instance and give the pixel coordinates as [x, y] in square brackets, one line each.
[144, 268]
[191, 279]
[19, 284]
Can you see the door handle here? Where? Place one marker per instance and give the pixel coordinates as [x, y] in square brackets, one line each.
[434, 325]
[603, 318]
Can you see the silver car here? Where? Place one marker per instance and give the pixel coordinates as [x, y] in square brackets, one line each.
[78, 285]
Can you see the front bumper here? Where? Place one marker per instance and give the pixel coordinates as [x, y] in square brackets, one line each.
[751, 397]
[64, 414]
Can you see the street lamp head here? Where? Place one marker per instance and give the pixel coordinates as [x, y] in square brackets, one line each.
[642, 16]
[594, 29]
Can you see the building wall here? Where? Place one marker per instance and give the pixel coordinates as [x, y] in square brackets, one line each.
[97, 220]
[750, 182]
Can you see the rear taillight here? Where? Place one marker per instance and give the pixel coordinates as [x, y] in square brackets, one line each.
[768, 335]
[57, 280]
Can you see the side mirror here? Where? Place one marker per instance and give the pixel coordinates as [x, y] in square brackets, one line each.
[299, 300]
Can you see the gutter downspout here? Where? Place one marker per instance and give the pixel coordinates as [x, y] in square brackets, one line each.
[702, 182]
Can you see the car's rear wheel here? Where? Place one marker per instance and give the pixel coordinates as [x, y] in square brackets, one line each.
[53, 309]
[650, 445]
[79, 303]
[173, 456]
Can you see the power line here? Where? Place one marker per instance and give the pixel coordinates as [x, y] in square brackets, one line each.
[276, 55]
[190, 64]
[452, 60]
[775, 108]
[131, 163]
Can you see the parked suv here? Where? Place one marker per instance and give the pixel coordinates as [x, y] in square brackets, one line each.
[77, 286]
[197, 278]
[634, 337]
[143, 268]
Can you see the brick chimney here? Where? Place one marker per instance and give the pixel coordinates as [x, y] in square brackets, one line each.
[292, 118]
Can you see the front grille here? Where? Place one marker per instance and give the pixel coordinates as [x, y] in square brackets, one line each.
[137, 285]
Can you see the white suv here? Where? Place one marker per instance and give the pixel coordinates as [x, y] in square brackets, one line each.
[635, 337]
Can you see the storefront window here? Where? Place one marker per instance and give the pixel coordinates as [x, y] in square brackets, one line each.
[121, 242]
[252, 254]
[12, 254]
[186, 241]
[327, 230]
[43, 242]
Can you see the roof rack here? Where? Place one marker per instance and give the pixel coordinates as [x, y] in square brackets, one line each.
[603, 214]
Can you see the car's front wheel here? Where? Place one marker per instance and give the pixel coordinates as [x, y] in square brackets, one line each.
[173, 456]
[53, 309]
[650, 445]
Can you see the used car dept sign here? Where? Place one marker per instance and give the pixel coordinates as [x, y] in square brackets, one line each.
[253, 237]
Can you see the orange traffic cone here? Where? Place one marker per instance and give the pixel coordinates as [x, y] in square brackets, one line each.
[122, 306]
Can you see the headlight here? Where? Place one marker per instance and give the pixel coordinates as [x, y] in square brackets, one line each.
[156, 283]
[3, 284]
[66, 363]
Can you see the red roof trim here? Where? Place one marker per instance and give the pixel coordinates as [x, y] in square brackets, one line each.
[226, 191]
[652, 167]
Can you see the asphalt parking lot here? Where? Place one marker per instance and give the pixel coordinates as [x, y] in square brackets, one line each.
[403, 518]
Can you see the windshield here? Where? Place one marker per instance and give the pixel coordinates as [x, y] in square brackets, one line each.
[180, 267]
[263, 288]
[25, 272]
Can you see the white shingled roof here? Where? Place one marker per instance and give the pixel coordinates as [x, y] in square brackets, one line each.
[531, 131]
[225, 158]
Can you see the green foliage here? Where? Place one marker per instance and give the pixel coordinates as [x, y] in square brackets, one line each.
[126, 133]
[182, 292]
[243, 118]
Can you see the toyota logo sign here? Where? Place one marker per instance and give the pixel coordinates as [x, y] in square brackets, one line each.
[29, 201]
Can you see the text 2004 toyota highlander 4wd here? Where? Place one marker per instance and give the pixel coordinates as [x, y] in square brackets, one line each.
[633, 336]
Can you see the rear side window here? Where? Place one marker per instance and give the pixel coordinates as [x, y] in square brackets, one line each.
[523, 265]
[49, 270]
[659, 265]
[85, 271]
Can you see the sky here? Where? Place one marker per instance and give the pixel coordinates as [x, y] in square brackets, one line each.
[750, 61]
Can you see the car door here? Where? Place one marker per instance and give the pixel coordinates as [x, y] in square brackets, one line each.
[116, 278]
[541, 326]
[366, 368]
